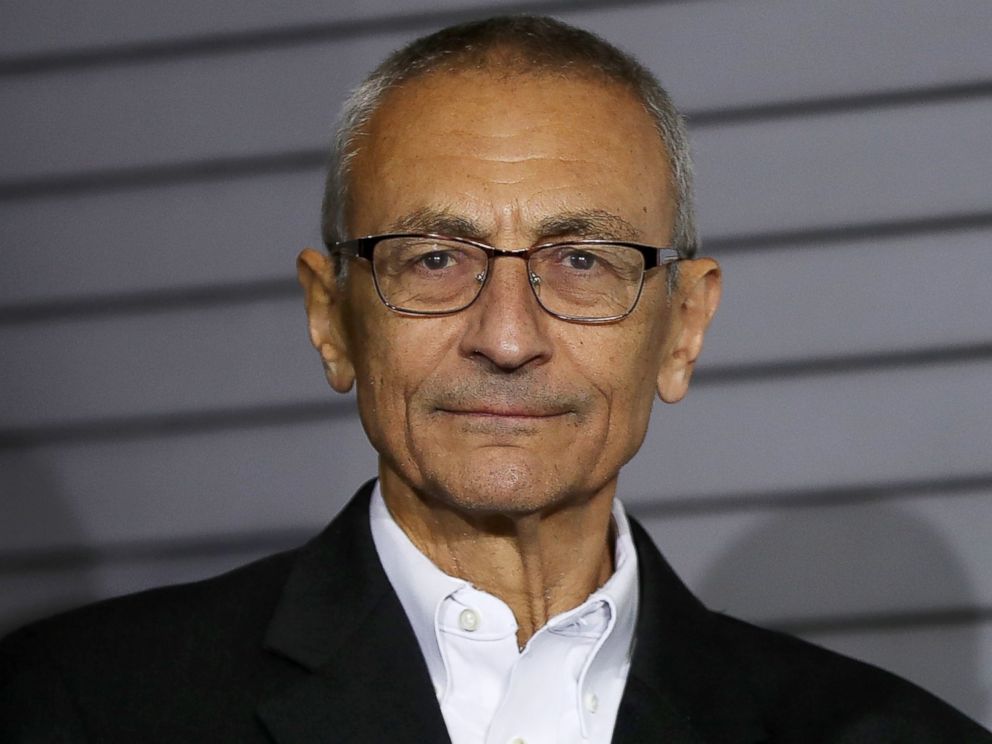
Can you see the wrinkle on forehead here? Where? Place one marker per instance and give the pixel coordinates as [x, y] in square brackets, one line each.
[493, 113]
[509, 159]
[511, 162]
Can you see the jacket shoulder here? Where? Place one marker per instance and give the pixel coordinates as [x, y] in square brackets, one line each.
[97, 667]
[185, 613]
[813, 694]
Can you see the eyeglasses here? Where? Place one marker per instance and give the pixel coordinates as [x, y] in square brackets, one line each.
[586, 281]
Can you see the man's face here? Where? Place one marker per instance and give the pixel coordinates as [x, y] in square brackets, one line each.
[502, 407]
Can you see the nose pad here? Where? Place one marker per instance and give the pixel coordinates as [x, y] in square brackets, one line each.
[535, 283]
[533, 279]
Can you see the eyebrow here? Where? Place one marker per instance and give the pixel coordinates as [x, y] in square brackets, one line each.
[439, 221]
[582, 223]
[588, 223]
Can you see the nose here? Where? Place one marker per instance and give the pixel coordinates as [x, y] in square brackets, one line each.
[507, 329]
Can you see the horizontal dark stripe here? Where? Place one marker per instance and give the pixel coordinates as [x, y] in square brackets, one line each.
[153, 426]
[882, 99]
[943, 617]
[84, 557]
[155, 175]
[650, 507]
[158, 175]
[879, 361]
[267, 290]
[149, 301]
[303, 412]
[854, 232]
[240, 42]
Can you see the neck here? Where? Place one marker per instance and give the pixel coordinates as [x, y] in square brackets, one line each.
[540, 564]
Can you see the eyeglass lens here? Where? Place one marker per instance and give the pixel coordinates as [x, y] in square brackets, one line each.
[430, 275]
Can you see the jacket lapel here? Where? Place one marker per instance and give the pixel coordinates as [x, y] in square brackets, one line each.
[359, 674]
[683, 686]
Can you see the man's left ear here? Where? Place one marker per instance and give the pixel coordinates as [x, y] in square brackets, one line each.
[324, 297]
[694, 302]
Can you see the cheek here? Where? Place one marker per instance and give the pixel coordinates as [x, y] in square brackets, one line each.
[621, 364]
[624, 370]
[397, 355]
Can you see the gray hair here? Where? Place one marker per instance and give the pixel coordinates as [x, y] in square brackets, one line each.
[515, 44]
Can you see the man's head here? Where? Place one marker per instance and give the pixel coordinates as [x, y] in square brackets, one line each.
[502, 407]
[511, 45]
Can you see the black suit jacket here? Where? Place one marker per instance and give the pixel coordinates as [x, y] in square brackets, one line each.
[313, 646]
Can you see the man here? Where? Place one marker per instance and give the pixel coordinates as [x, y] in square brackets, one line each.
[525, 287]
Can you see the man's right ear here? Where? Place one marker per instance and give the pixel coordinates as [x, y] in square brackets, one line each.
[324, 299]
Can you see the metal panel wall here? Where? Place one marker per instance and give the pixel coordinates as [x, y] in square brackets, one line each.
[163, 417]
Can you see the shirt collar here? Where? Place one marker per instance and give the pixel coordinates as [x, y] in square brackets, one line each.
[608, 664]
[422, 588]
[420, 585]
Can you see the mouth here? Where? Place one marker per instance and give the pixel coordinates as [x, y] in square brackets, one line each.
[494, 408]
[497, 412]
[502, 421]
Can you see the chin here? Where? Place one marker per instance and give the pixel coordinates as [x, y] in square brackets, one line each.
[511, 487]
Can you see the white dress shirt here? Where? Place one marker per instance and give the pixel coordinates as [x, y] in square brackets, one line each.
[564, 687]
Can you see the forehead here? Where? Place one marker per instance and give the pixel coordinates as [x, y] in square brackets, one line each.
[499, 147]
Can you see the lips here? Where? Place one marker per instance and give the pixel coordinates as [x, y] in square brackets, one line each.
[500, 412]
[508, 399]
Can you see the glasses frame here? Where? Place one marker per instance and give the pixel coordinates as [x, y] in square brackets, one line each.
[364, 248]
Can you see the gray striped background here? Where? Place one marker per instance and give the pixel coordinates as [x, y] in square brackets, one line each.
[163, 417]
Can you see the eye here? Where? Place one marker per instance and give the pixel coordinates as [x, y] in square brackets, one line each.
[580, 260]
[436, 260]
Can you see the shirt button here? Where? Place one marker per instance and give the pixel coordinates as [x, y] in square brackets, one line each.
[591, 702]
[516, 740]
[469, 620]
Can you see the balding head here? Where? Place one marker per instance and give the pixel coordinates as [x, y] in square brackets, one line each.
[512, 46]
